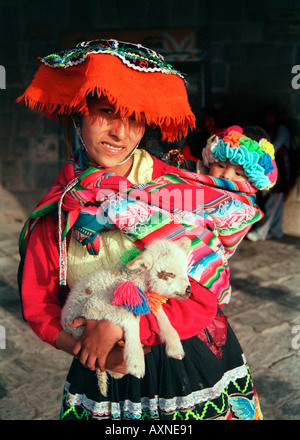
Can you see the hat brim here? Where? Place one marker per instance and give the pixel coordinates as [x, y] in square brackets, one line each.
[161, 98]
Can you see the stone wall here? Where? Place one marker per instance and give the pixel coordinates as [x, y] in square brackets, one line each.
[248, 62]
[252, 57]
[32, 149]
[254, 46]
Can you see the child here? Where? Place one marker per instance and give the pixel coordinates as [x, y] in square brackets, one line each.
[234, 156]
[238, 165]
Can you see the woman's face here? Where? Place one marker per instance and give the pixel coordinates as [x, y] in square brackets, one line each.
[109, 138]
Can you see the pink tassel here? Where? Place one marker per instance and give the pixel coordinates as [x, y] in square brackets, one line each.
[128, 295]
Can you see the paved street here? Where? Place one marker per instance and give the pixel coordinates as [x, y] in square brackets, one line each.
[264, 311]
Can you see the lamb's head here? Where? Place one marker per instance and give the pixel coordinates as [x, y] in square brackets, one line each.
[163, 265]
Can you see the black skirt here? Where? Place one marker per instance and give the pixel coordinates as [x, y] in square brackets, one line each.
[203, 385]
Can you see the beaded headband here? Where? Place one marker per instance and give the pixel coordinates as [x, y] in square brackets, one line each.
[256, 158]
[134, 78]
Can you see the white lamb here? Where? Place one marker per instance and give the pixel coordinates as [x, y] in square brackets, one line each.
[160, 268]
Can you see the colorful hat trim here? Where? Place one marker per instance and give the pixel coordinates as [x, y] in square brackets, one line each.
[135, 79]
[257, 159]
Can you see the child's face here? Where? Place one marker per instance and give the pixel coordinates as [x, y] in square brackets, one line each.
[226, 170]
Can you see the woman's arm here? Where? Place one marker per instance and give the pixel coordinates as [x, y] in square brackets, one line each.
[101, 344]
[188, 317]
[64, 341]
[42, 297]
[42, 300]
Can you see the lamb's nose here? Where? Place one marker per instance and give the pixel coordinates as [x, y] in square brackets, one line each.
[188, 290]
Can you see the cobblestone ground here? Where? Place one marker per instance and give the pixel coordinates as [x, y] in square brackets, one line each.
[264, 310]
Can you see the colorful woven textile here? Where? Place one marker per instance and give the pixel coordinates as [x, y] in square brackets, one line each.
[214, 213]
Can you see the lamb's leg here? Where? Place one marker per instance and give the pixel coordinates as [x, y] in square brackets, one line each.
[168, 334]
[133, 353]
[102, 381]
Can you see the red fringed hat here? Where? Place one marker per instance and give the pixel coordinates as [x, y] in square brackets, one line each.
[134, 78]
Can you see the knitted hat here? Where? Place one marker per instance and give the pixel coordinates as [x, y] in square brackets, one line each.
[256, 158]
[134, 78]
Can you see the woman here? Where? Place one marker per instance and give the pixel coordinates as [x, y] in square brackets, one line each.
[116, 93]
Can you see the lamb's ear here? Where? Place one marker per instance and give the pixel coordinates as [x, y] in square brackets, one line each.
[184, 243]
[143, 261]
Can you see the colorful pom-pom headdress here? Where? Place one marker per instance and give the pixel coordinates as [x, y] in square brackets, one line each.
[134, 78]
[256, 158]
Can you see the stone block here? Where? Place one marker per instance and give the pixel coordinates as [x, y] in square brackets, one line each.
[291, 213]
[45, 174]
[275, 394]
[8, 151]
[253, 32]
[44, 149]
[288, 368]
[20, 149]
[226, 32]
[249, 53]
[291, 409]
[189, 14]
[274, 78]
[219, 75]
[11, 176]
[242, 77]
[27, 175]
[28, 124]
[286, 55]
[264, 350]
[226, 12]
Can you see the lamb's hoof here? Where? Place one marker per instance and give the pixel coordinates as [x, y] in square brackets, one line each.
[115, 375]
[178, 356]
[175, 352]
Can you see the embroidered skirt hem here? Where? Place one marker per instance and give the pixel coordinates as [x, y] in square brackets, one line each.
[198, 387]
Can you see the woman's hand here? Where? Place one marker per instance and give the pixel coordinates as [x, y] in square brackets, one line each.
[88, 350]
[98, 346]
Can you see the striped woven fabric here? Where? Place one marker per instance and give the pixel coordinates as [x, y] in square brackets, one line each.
[214, 213]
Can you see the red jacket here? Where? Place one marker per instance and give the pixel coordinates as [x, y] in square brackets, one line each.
[43, 297]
